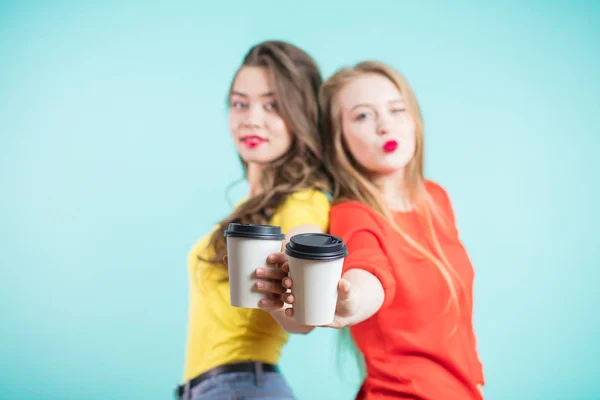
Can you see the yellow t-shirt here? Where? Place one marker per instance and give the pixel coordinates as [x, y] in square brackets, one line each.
[221, 334]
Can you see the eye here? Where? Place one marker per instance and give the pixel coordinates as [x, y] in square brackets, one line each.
[239, 105]
[361, 116]
[271, 107]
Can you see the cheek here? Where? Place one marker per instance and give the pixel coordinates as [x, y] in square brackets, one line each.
[359, 147]
[362, 140]
[408, 146]
[410, 138]
[362, 146]
[278, 130]
[233, 123]
[407, 128]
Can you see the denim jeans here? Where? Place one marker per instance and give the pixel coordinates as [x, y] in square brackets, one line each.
[242, 386]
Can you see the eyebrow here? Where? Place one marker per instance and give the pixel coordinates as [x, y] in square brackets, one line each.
[268, 94]
[396, 101]
[369, 105]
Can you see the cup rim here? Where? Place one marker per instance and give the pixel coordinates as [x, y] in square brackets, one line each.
[337, 250]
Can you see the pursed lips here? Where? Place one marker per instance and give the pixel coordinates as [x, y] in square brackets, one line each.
[252, 141]
[390, 146]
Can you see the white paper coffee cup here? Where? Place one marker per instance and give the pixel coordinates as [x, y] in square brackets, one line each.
[248, 247]
[316, 262]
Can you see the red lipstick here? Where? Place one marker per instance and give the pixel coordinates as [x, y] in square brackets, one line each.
[390, 146]
[252, 141]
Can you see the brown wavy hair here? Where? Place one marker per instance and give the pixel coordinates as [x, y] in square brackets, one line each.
[354, 183]
[296, 79]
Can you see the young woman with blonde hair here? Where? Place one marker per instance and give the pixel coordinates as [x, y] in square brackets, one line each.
[407, 287]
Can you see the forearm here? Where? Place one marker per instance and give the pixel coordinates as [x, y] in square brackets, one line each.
[369, 295]
[289, 324]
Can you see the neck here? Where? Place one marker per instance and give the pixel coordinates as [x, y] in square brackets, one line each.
[254, 173]
[393, 189]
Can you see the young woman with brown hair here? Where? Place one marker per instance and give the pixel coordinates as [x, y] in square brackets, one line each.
[274, 121]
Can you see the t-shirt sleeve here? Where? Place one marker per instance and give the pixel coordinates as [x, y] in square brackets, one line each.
[365, 241]
[307, 207]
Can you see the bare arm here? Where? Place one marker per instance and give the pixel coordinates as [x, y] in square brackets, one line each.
[360, 293]
[360, 296]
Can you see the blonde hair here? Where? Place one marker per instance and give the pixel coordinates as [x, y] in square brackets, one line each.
[352, 181]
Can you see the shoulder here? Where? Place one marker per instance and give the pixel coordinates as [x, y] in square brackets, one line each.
[435, 189]
[354, 209]
[437, 193]
[442, 206]
[303, 207]
[351, 216]
[197, 255]
[307, 198]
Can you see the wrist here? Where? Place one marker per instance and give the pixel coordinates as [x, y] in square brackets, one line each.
[277, 312]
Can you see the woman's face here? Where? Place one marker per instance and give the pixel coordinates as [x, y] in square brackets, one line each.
[377, 128]
[259, 132]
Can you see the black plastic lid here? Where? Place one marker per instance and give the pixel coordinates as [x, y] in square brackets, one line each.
[316, 246]
[249, 231]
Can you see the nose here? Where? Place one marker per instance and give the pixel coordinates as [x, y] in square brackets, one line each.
[254, 116]
[383, 125]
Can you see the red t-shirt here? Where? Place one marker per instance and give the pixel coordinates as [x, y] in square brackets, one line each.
[415, 346]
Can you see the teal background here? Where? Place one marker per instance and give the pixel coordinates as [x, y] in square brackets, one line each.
[115, 156]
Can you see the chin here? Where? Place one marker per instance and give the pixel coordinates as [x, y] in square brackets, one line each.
[397, 164]
[388, 169]
[257, 158]
[264, 155]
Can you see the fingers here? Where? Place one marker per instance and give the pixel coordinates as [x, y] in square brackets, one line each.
[267, 286]
[343, 290]
[225, 260]
[336, 324]
[277, 258]
[289, 312]
[270, 273]
[287, 282]
[288, 298]
[271, 303]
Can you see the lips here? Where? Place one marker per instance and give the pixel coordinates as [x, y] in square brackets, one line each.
[252, 141]
[390, 146]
